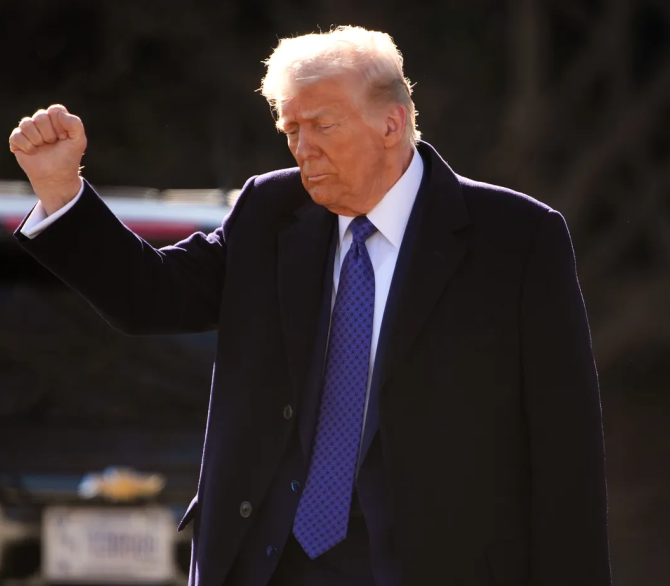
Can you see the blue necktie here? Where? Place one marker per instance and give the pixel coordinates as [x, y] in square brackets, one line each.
[323, 512]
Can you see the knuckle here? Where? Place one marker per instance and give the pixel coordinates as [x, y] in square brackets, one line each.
[40, 116]
[56, 108]
[26, 123]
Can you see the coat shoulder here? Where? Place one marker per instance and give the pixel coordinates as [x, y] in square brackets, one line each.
[266, 199]
[285, 183]
[504, 221]
[290, 175]
[499, 208]
[277, 192]
[478, 193]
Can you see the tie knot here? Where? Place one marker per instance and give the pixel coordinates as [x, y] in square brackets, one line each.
[361, 229]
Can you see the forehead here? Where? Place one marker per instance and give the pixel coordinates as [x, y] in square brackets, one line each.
[329, 96]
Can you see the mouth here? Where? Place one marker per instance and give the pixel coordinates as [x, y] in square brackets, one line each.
[317, 178]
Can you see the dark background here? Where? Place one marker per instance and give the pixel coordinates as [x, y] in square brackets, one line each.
[567, 100]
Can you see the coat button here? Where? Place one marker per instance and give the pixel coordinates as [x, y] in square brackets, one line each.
[245, 509]
[295, 485]
[288, 412]
[271, 551]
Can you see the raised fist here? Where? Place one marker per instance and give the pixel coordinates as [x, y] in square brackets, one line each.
[49, 147]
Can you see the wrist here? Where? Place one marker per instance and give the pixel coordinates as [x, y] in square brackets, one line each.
[55, 196]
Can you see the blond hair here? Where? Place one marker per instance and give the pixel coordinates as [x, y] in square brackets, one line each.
[309, 58]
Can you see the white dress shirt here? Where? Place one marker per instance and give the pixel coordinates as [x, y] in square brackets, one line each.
[390, 217]
[38, 221]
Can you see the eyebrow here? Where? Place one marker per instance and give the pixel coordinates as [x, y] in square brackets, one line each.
[309, 115]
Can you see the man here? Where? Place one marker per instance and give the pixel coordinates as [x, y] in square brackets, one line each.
[404, 389]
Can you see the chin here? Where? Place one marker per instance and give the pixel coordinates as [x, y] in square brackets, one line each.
[328, 197]
[323, 197]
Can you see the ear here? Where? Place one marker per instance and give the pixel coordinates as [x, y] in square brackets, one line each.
[395, 122]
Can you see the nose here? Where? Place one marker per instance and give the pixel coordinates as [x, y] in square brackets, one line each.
[305, 148]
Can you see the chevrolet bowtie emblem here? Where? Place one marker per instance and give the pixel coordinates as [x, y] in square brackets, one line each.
[121, 484]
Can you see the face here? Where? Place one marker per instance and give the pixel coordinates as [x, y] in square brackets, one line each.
[339, 143]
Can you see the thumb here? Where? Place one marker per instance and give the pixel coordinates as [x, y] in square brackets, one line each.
[72, 125]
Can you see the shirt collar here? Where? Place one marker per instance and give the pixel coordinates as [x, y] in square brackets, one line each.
[391, 214]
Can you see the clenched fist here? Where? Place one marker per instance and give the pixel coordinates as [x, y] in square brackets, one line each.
[49, 147]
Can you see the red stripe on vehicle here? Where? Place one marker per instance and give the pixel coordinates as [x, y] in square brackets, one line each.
[155, 231]
[11, 223]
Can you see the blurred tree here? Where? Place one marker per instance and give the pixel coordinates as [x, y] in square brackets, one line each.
[565, 100]
[585, 127]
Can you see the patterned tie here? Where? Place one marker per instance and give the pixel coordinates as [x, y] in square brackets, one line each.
[323, 512]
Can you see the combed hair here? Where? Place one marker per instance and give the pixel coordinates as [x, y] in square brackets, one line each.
[309, 58]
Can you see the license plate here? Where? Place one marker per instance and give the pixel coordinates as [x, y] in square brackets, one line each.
[108, 545]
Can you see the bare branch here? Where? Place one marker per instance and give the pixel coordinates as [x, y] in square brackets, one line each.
[641, 316]
[633, 216]
[632, 128]
[576, 11]
[523, 119]
[593, 59]
[663, 6]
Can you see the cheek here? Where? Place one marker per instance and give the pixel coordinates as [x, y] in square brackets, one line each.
[349, 158]
[360, 164]
[354, 157]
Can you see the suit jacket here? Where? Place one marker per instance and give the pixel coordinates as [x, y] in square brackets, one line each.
[488, 403]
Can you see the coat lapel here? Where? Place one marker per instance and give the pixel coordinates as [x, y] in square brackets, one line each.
[429, 255]
[433, 257]
[303, 261]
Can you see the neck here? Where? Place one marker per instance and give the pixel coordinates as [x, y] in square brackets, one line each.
[395, 167]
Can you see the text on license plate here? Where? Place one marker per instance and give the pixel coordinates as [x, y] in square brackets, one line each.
[124, 544]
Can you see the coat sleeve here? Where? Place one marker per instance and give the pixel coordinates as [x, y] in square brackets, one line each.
[137, 288]
[569, 539]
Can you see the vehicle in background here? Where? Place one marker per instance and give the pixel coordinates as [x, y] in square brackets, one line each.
[77, 397]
